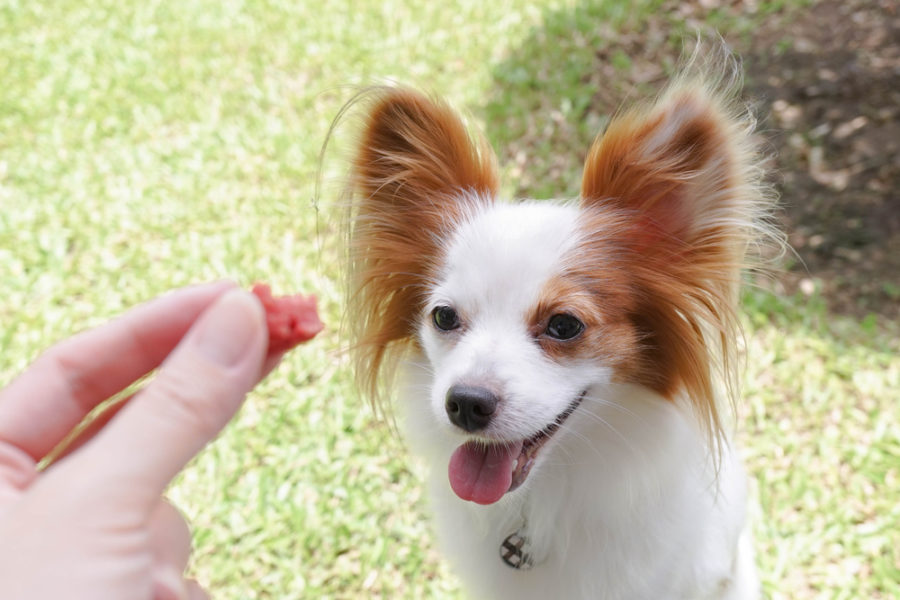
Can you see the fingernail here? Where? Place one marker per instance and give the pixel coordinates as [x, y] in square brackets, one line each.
[228, 328]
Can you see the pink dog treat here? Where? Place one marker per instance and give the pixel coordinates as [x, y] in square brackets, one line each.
[292, 320]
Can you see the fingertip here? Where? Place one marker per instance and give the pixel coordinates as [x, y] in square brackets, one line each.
[231, 328]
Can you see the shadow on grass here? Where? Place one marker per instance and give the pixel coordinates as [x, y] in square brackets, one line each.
[827, 97]
[832, 90]
[555, 92]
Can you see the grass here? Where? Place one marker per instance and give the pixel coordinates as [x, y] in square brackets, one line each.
[149, 145]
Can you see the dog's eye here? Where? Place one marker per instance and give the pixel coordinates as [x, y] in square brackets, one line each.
[564, 327]
[445, 318]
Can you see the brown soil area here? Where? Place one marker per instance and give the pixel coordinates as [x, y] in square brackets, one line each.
[824, 78]
[828, 76]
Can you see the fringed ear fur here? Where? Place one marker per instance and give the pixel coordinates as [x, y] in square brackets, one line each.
[684, 178]
[416, 173]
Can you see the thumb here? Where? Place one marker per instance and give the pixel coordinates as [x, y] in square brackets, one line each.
[197, 390]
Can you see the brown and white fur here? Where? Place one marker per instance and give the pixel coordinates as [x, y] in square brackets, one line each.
[565, 367]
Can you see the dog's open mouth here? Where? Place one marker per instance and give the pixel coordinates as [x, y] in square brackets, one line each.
[483, 472]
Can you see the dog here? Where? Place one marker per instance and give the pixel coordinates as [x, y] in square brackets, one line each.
[567, 368]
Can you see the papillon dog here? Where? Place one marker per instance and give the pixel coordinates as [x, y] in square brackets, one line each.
[566, 368]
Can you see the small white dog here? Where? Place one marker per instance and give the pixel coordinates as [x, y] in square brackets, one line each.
[565, 364]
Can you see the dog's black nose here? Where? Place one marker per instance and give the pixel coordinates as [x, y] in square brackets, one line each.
[470, 407]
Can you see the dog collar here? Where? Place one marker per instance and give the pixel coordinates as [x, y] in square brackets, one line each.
[514, 551]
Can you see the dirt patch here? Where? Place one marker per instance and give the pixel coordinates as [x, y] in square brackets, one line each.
[824, 78]
[829, 79]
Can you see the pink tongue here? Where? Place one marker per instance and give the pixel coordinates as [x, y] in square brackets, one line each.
[482, 473]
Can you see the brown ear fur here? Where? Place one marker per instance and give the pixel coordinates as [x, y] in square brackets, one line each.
[416, 174]
[682, 176]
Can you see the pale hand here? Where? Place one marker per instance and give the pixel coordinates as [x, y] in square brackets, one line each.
[94, 526]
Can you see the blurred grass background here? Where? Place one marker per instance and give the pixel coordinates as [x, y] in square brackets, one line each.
[148, 145]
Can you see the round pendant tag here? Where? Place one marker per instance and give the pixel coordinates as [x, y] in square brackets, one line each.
[513, 552]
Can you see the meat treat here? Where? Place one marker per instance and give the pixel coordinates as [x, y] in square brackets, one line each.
[291, 319]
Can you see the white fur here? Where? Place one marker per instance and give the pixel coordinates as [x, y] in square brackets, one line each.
[623, 502]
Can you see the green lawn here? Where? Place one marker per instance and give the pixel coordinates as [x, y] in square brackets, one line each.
[147, 145]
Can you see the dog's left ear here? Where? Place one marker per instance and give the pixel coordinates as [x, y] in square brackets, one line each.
[676, 167]
[681, 182]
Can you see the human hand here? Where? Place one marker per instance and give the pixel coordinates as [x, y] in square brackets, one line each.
[94, 524]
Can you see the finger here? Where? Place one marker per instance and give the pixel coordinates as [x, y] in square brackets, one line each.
[169, 584]
[170, 537]
[197, 390]
[195, 592]
[17, 473]
[88, 431]
[41, 406]
[100, 421]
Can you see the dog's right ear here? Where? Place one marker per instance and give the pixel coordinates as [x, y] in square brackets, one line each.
[416, 175]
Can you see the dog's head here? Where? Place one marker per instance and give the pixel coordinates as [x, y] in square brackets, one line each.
[521, 311]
